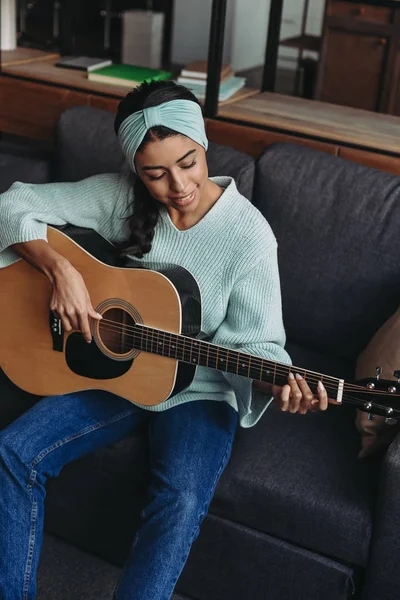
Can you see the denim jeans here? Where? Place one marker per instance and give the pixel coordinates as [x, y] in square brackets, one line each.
[189, 446]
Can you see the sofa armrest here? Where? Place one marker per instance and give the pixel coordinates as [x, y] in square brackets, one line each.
[383, 573]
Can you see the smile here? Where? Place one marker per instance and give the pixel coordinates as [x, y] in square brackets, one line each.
[184, 200]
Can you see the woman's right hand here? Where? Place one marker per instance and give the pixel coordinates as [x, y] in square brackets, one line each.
[71, 301]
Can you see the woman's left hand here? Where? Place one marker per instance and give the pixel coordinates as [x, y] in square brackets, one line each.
[296, 395]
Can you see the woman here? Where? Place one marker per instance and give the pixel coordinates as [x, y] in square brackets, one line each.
[170, 212]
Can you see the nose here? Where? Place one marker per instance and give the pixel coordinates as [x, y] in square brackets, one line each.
[178, 182]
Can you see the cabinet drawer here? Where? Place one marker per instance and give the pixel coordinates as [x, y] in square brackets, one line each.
[360, 12]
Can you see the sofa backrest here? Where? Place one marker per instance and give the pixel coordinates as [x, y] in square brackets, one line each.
[337, 225]
[87, 145]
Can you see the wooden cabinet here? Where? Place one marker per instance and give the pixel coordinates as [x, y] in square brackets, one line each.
[358, 65]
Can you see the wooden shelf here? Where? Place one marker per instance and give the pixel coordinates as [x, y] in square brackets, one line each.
[320, 120]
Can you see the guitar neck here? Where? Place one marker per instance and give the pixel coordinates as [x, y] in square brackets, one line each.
[206, 354]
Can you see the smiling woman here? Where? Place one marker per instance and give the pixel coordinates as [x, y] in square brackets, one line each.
[168, 210]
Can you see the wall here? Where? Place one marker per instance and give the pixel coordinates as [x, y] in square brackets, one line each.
[191, 30]
[8, 19]
[249, 34]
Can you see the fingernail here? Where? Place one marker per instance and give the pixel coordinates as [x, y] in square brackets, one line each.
[321, 386]
[298, 376]
[291, 376]
[99, 315]
[88, 341]
[314, 401]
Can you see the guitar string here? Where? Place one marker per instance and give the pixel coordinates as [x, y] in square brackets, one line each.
[347, 399]
[282, 371]
[257, 361]
[279, 371]
[313, 376]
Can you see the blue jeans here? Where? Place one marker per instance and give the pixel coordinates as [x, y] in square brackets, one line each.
[189, 444]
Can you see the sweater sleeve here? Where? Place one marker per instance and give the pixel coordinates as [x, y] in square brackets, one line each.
[253, 324]
[27, 209]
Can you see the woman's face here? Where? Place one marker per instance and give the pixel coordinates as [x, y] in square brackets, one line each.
[175, 172]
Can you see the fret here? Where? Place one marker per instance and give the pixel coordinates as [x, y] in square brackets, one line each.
[174, 346]
[195, 352]
[185, 351]
[231, 361]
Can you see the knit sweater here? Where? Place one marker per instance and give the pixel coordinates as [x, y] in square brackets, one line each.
[231, 252]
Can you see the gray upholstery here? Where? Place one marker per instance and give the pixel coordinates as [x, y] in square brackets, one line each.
[337, 225]
[21, 168]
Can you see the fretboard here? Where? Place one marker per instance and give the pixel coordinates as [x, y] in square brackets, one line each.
[206, 354]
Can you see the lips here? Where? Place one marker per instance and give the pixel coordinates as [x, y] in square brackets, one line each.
[183, 200]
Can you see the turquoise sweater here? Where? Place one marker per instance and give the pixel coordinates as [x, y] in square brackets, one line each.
[231, 252]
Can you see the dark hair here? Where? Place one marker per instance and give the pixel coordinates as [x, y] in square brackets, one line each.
[145, 214]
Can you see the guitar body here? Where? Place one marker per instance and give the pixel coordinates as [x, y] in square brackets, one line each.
[42, 359]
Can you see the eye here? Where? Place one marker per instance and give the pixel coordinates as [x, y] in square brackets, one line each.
[192, 164]
[156, 178]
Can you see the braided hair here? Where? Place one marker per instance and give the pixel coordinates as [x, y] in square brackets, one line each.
[145, 214]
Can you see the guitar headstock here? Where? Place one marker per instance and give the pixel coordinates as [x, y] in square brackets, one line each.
[377, 396]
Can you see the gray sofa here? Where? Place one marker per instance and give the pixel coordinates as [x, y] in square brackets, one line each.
[296, 515]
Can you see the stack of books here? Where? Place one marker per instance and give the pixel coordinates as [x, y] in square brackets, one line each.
[104, 71]
[194, 77]
[127, 75]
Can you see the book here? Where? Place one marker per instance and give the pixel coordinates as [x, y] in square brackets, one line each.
[83, 63]
[187, 80]
[226, 89]
[127, 75]
[198, 69]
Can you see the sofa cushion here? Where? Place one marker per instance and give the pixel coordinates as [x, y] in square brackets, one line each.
[293, 477]
[298, 478]
[87, 145]
[339, 245]
[22, 168]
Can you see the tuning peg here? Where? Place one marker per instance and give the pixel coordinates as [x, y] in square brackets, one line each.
[378, 372]
[397, 375]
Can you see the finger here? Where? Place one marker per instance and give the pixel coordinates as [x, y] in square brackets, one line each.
[284, 398]
[93, 314]
[295, 394]
[322, 396]
[85, 327]
[73, 319]
[65, 323]
[306, 401]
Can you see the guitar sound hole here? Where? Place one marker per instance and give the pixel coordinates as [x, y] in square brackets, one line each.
[116, 331]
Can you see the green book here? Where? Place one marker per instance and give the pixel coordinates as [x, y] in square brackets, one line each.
[127, 75]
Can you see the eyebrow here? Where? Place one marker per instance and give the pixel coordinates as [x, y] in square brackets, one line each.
[179, 160]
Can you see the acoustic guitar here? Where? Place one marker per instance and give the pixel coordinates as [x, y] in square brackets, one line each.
[148, 344]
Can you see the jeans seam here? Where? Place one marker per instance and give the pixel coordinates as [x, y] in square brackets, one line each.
[31, 546]
[81, 433]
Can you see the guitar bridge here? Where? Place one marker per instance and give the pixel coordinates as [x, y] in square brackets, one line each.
[57, 332]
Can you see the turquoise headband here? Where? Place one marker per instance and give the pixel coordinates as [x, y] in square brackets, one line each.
[183, 116]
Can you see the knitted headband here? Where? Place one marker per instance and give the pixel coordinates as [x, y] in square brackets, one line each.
[183, 116]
